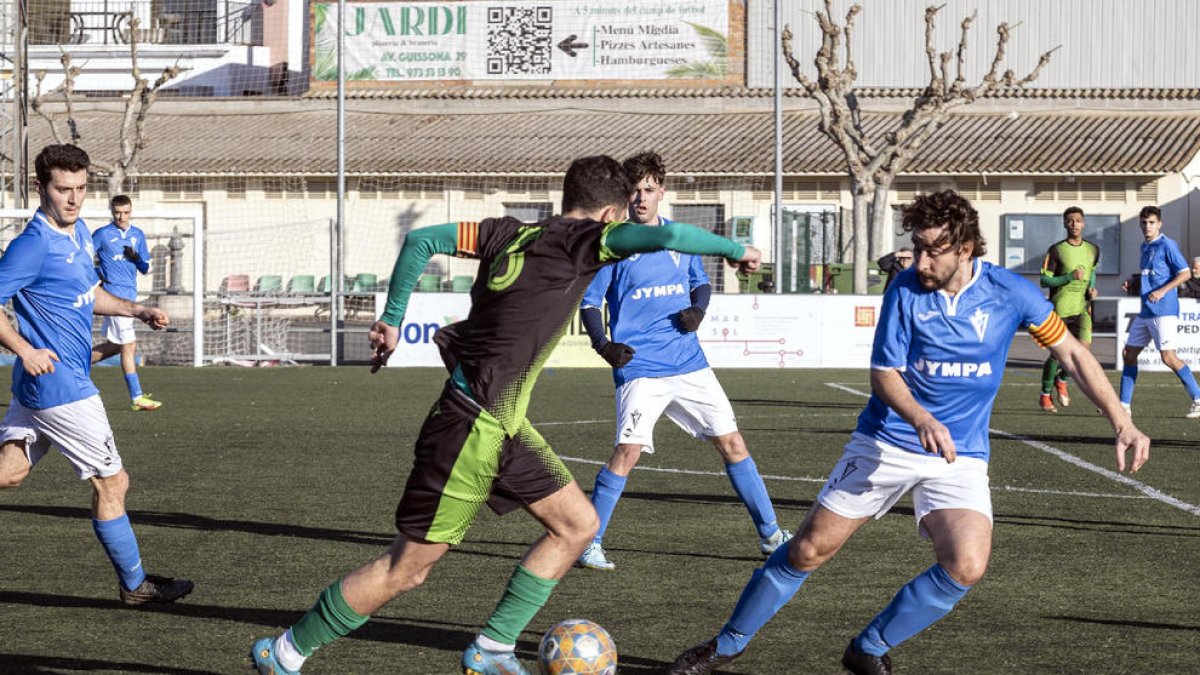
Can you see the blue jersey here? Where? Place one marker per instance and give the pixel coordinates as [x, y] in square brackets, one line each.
[117, 271]
[644, 292]
[1161, 261]
[951, 352]
[50, 278]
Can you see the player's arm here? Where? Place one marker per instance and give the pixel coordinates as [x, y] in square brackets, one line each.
[140, 256]
[1049, 268]
[689, 319]
[1092, 380]
[108, 304]
[616, 354]
[1176, 281]
[1091, 289]
[19, 267]
[419, 246]
[890, 387]
[628, 238]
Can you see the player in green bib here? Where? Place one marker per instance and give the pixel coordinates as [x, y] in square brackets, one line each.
[1069, 271]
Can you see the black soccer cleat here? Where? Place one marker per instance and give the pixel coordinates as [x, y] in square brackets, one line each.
[703, 658]
[156, 589]
[862, 663]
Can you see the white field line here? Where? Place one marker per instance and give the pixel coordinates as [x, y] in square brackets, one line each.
[610, 420]
[1149, 492]
[691, 472]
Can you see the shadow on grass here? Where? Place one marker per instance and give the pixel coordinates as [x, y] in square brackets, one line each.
[23, 664]
[1098, 525]
[1124, 622]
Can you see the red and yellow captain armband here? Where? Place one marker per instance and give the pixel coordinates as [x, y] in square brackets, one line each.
[468, 239]
[1050, 332]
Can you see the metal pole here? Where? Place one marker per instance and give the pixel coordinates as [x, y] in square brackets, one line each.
[777, 220]
[20, 151]
[335, 302]
[332, 293]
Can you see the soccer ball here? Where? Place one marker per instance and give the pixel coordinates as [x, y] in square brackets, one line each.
[577, 647]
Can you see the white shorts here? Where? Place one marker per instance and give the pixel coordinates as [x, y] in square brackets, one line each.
[694, 401]
[79, 430]
[1164, 330]
[118, 329]
[872, 476]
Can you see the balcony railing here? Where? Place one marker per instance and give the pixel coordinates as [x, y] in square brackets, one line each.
[169, 22]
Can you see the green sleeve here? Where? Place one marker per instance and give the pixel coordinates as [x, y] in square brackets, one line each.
[629, 238]
[419, 246]
[1092, 280]
[1051, 281]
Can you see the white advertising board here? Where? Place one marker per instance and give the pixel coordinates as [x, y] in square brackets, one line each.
[1188, 347]
[739, 331]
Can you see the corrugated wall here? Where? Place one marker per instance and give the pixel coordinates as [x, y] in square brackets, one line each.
[1105, 43]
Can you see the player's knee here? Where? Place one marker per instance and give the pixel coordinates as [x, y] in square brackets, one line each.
[12, 477]
[112, 487]
[806, 555]
[967, 570]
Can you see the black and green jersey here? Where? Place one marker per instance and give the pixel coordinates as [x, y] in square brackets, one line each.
[530, 281]
[1069, 294]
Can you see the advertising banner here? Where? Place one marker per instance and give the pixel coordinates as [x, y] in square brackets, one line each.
[505, 40]
[739, 331]
[1188, 336]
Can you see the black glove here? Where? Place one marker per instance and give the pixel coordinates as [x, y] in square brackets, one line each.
[689, 319]
[617, 354]
[132, 256]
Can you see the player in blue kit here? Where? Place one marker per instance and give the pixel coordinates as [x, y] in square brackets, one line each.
[940, 347]
[47, 272]
[1163, 270]
[121, 254]
[656, 302]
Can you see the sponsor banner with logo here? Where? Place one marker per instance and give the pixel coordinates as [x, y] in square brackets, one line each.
[739, 331]
[507, 40]
[1188, 337]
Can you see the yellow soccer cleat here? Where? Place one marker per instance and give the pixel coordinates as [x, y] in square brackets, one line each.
[144, 402]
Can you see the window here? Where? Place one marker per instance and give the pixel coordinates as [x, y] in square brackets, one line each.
[710, 217]
[1028, 235]
[529, 212]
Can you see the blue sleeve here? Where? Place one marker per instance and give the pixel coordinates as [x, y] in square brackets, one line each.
[701, 295]
[594, 295]
[1175, 260]
[696, 274]
[1031, 306]
[893, 334]
[593, 323]
[143, 250]
[20, 264]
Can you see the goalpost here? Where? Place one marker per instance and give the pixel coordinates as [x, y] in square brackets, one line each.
[175, 282]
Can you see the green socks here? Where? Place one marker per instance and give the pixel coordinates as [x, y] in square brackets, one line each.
[1050, 371]
[525, 595]
[328, 620]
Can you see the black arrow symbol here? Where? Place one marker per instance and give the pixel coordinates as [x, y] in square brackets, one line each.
[569, 45]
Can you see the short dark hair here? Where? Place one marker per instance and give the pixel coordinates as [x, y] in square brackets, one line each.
[1148, 211]
[595, 182]
[945, 208]
[1070, 210]
[119, 200]
[645, 165]
[64, 157]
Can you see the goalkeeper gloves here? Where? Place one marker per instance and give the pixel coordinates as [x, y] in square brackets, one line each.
[618, 355]
[689, 319]
[132, 256]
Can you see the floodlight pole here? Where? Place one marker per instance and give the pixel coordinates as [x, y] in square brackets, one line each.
[335, 275]
[777, 220]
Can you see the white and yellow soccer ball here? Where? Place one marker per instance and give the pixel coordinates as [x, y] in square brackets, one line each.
[577, 647]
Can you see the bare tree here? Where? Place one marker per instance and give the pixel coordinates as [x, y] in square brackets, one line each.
[132, 137]
[874, 160]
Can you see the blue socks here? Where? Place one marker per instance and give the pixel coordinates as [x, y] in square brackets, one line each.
[1189, 381]
[1128, 377]
[605, 493]
[135, 387]
[770, 588]
[116, 536]
[748, 485]
[924, 600]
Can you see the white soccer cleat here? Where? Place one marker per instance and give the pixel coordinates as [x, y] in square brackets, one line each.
[767, 545]
[594, 558]
[1195, 411]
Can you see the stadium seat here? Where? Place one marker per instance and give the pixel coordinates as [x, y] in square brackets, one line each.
[462, 284]
[364, 283]
[429, 283]
[235, 283]
[301, 283]
[269, 283]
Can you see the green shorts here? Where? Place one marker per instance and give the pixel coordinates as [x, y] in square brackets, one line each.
[463, 459]
[1080, 326]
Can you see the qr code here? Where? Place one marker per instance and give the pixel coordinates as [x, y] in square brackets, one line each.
[519, 40]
